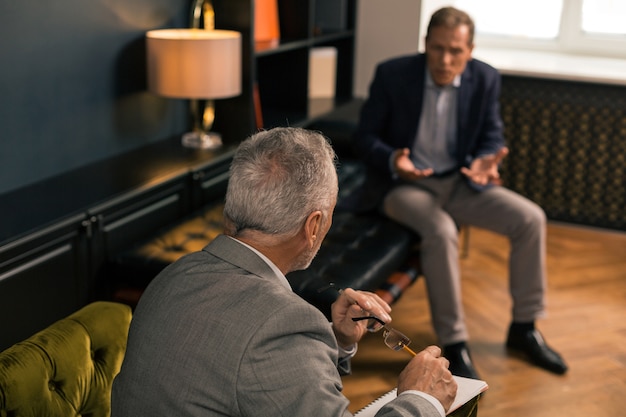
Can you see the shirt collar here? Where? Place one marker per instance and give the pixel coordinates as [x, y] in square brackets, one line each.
[456, 82]
[269, 263]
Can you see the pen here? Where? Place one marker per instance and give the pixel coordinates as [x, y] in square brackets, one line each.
[408, 349]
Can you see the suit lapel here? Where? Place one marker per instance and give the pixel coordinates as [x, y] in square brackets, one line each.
[415, 91]
[463, 111]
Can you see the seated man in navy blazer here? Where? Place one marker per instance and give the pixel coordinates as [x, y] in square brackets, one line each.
[431, 128]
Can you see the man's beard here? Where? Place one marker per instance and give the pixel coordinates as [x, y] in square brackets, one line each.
[304, 260]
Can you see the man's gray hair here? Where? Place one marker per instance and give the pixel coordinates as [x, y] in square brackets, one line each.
[277, 178]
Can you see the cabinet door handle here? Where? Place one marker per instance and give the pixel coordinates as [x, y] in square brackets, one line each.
[88, 226]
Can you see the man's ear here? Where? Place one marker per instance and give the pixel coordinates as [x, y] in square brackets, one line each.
[312, 227]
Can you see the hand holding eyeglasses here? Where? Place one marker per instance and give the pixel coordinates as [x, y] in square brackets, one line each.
[426, 372]
[393, 338]
[362, 302]
[352, 303]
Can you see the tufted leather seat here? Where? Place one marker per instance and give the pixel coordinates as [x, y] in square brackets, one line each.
[66, 369]
[136, 267]
[362, 250]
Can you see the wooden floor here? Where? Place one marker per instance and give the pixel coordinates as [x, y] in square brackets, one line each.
[586, 323]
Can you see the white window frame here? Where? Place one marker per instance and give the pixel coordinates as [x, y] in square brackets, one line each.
[575, 41]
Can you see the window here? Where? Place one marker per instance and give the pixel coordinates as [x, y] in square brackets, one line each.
[604, 17]
[589, 27]
[512, 21]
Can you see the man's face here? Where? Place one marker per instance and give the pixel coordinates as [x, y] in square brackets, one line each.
[447, 53]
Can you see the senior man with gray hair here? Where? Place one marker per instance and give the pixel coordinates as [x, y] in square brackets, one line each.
[220, 332]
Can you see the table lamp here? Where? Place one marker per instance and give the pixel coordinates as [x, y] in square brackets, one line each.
[195, 64]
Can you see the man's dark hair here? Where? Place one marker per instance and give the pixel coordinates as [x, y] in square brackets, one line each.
[451, 17]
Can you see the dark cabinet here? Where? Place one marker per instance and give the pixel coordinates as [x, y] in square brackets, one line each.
[51, 260]
[42, 278]
[209, 181]
[131, 217]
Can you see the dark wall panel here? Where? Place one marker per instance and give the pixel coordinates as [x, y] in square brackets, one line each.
[72, 84]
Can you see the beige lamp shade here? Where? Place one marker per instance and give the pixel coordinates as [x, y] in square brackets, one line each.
[194, 63]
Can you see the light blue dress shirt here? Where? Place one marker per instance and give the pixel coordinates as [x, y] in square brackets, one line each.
[435, 142]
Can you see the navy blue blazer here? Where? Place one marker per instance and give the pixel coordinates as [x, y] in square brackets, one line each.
[390, 116]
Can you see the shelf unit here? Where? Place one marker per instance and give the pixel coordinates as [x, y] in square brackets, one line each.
[280, 72]
[58, 232]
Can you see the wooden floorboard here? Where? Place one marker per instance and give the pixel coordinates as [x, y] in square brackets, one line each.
[586, 323]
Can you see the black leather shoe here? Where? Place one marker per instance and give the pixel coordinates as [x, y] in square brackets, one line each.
[460, 360]
[532, 344]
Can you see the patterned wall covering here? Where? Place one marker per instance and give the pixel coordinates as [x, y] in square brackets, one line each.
[568, 148]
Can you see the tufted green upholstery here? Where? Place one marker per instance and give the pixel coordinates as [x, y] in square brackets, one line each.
[66, 369]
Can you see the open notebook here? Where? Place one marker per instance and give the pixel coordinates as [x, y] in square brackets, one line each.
[468, 389]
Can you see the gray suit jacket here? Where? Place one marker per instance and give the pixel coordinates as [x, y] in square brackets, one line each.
[218, 333]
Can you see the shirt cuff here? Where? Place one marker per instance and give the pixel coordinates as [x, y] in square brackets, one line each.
[347, 353]
[435, 402]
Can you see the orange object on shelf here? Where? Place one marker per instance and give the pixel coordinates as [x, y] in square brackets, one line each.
[258, 113]
[266, 25]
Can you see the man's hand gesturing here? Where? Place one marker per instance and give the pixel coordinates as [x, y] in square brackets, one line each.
[484, 170]
[405, 169]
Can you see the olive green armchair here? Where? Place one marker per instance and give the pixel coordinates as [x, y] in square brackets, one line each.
[66, 369]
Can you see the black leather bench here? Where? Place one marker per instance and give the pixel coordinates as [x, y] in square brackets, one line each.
[363, 249]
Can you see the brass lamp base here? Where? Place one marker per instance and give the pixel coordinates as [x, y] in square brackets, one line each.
[202, 140]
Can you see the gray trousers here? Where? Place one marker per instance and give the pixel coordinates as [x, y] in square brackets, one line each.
[433, 207]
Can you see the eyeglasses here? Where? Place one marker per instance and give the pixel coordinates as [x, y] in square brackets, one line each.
[393, 338]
